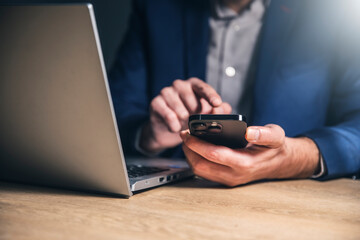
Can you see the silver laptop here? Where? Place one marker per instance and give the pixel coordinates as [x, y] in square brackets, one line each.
[57, 123]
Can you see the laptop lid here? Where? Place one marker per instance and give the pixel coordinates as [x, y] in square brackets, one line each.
[57, 122]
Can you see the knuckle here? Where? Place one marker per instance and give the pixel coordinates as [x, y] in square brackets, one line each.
[221, 154]
[214, 154]
[202, 88]
[193, 79]
[165, 91]
[178, 83]
[170, 117]
[279, 131]
[246, 164]
[197, 83]
[184, 115]
[155, 102]
[189, 98]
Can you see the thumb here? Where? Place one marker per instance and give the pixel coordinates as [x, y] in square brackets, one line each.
[270, 135]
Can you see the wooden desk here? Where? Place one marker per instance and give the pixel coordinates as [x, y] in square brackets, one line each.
[195, 209]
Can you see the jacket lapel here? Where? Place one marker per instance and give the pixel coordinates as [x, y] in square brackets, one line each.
[278, 23]
[197, 35]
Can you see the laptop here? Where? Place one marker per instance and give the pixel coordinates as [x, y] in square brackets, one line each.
[57, 123]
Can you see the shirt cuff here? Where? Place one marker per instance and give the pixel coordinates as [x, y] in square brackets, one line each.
[322, 169]
[140, 149]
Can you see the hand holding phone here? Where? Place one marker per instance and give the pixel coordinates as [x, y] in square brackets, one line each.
[220, 129]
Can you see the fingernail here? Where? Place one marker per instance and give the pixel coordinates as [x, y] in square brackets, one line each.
[252, 134]
[215, 101]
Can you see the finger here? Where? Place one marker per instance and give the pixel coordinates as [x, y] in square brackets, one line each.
[174, 102]
[209, 170]
[270, 135]
[224, 108]
[227, 108]
[204, 90]
[206, 108]
[215, 153]
[158, 106]
[217, 110]
[187, 96]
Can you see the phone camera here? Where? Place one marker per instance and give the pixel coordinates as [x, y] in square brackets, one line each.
[214, 128]
[199, 126]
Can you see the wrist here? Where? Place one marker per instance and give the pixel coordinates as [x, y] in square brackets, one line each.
[303, 156]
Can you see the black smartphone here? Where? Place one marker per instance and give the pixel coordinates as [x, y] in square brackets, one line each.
[220, 129]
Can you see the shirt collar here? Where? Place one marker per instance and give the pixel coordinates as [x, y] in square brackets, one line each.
[255, 8]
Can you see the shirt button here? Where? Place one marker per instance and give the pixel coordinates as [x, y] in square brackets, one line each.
[236, 27]
[230, 71]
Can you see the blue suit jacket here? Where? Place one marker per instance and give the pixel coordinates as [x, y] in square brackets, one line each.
[307, 75]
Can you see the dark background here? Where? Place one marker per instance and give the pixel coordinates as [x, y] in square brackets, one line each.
[111, 17]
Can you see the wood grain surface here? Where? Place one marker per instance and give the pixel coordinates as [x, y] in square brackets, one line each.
[194, 209]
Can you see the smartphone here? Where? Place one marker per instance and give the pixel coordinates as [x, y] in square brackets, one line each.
[220, 129]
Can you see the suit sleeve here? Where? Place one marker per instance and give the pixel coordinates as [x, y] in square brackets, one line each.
[129, 80]
[339, 142]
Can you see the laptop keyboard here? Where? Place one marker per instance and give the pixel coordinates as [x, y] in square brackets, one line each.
[139, 170]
